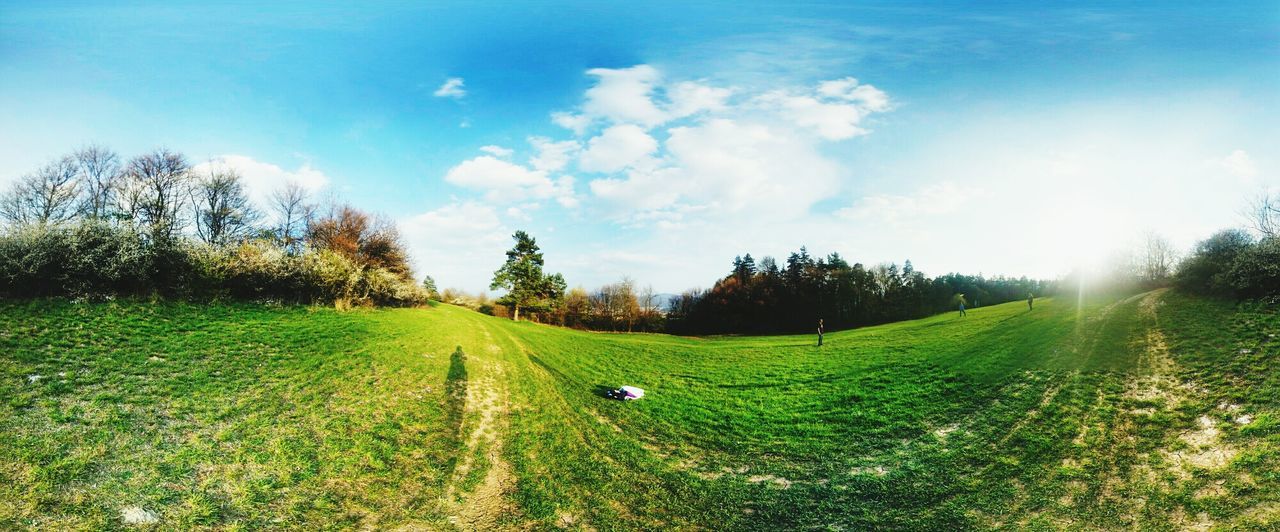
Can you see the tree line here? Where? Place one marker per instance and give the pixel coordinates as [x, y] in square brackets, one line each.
[92, 223]
[766, 297]
[752, 299]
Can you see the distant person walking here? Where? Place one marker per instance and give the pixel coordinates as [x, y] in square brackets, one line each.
[962, 312]
[819, 332]
[1030, 299]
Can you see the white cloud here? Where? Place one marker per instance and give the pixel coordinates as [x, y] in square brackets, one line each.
[497, 151]
[688, 98]
[634, 197]
[452, 88]
[724, 167]
[522, 212]
[502, 181]
[261, 179]
[624, 95]
[834, 110]
[719, 155]
[1240, 165]
[928, 201]
[564, 192]
[638, 95]
[831, 120]
[577, 123]
[849, 89]
[740, 165]
[449, 243]
[551, 155]
[616, 148]
[505, 182]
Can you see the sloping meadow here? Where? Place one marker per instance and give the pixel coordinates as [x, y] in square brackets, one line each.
[1143, 410]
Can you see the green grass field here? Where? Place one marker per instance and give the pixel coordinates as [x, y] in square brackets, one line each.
[1153, 411]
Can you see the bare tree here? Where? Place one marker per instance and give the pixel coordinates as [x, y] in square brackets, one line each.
[616, 303]
[1264, 214]
[129, 196]
[628, 308]
[222, 210]
[648, 301]
[46, 197]
[576, 308]
[1157, 260]
[99, 173]
[156, 190]
[13, 206]
[602, 306]
[293, 212]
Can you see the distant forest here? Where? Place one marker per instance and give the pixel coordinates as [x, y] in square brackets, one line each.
[757, 297]
[766, 298]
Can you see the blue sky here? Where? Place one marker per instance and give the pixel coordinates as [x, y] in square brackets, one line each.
[983, 137]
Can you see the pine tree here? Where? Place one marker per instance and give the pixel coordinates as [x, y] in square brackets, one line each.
[522, 277]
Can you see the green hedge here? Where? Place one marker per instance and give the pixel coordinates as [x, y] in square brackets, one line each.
[96, 259]
[1230, 263]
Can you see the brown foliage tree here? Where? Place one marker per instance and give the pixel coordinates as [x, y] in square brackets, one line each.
[367, 241]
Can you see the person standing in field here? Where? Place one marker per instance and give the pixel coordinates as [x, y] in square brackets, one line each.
[962, 312]
[1030, 298]
[819, 332]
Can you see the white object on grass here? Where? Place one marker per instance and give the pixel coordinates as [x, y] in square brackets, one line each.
[136, 515]
[631, 392]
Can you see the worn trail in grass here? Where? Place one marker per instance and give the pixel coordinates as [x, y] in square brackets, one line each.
[1121, 412]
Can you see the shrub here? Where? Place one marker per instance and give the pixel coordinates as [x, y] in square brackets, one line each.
[331, 277]
[32, 262]
[263, 269]
[1230, 263]
[87, 259]
[100, 259]
[1256, 270]
[1206, 270]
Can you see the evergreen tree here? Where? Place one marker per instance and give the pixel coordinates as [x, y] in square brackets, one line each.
[522, 277]
[429, 285]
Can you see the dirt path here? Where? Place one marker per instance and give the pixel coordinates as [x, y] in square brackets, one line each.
[1156, 391]
[483, 505]
[1203, 447]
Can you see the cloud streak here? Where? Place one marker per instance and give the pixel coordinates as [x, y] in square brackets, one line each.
[452, 88]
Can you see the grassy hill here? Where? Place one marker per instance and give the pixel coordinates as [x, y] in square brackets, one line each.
[1148, 410]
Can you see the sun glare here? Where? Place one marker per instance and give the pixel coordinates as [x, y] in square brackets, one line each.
[1089, 240]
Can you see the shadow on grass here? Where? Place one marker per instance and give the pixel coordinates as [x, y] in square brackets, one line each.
[455, 387]
[604, 391]
[553, 371]
[601, 391]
